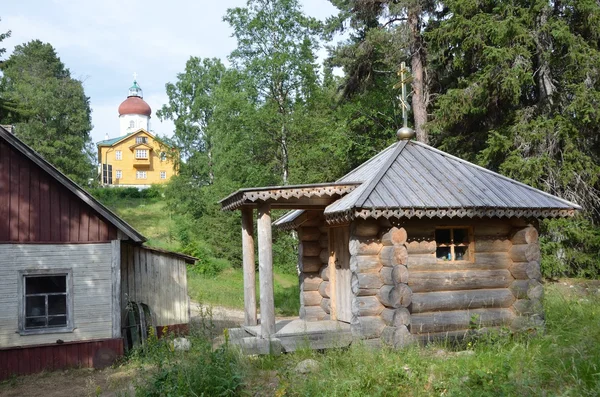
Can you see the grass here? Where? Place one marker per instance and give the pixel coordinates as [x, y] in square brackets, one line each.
[227, 289]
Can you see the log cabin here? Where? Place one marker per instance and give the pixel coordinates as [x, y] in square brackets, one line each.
[68, 269]
[413, 245]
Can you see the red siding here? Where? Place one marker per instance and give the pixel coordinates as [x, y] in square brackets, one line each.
[32, 359]
[34, 207]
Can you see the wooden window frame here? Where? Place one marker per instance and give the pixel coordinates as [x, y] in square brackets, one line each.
[470, 246]
[145, 151]
[70, 327]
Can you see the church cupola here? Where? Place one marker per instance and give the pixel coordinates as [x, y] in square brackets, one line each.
[134, 112]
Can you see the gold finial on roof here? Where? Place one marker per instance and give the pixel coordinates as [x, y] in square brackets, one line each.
[405, 132]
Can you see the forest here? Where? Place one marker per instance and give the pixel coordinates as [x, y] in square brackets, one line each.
[511, 86]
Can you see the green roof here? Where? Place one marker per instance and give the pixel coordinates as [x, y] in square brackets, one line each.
[112, 141]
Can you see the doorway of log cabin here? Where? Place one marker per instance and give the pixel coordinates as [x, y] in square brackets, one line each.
[339, 259]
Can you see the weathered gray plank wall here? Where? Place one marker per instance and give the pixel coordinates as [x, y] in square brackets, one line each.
[90, 265]
[156, 279]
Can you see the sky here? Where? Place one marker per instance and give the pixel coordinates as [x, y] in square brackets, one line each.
[104, 42]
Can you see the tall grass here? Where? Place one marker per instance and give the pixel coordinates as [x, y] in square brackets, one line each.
[564, 360]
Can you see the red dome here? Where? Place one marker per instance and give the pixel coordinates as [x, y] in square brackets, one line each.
[134, 105]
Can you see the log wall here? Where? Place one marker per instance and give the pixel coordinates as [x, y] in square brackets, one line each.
[313, 258]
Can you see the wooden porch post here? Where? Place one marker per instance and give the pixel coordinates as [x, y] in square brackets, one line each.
[265, 270]
[248, 265]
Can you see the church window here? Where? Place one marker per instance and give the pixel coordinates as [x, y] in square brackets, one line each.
[118, 155]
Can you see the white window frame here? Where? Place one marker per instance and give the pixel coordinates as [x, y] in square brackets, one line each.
[118, 174]
[22, 274]
[163, 175]
[138, 173]
[141, 139]
[118, 155]
[144, 152]
[132, 124]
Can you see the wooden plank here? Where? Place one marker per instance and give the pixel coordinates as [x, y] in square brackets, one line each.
[4, 197]
[461, 300]
[249, 267]
[116, 288]
[74, 219]
[343, 275]
[14, 197]
[24, 203]
[45, 209]
[34, 209]
[64, 216]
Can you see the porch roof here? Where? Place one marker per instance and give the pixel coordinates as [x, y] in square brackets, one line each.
[310, 196]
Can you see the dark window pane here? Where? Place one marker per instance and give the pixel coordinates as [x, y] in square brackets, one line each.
[57, 304]
[45, 284]
[461, 236]
[57, 321]
[461, 253]
[443, 253]
[442, 236]
[35, 322]
[35, 306]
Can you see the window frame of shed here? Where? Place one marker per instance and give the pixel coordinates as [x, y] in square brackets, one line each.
[21, 293]
[470, 247]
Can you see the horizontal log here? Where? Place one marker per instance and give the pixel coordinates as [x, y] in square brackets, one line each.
[432, 265]
[324, 255]
[526, 270]
[458, 280]
[312, 313]
[325, 289]
[395, 296]
[366, 306]
[309, 234]
[492, 245]
[519, 288]
[365, 280]
[527, 235]
[536, 290]
[393, 255]
[454, 335]
[418, 260]
[396, 317]
[311, 264]
[461, 300]
[397, 337]
[500, 260]
[421, 247]
[313, 220]
[459, 319]
[367, 327]
[326, 305]
[311, 248]
[324, 241]
[310, 281]
[366, 228]
[492, 229]
[394, 275]
[310, 298]
[365, 264]
[364, 246]
[527, 307]
[525, 252]
[394, 236]
[367, 292]
[324, 273]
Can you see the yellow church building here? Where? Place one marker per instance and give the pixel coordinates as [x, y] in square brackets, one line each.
[135, 158]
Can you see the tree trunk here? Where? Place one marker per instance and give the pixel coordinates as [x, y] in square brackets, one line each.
[417, 50]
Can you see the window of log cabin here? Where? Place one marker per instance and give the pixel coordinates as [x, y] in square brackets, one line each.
[454, 244]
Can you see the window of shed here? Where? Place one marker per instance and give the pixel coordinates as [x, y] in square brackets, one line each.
[46, 303]
[453, 244]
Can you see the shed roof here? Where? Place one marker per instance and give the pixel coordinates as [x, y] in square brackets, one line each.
[410, 178]
[28, 152]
